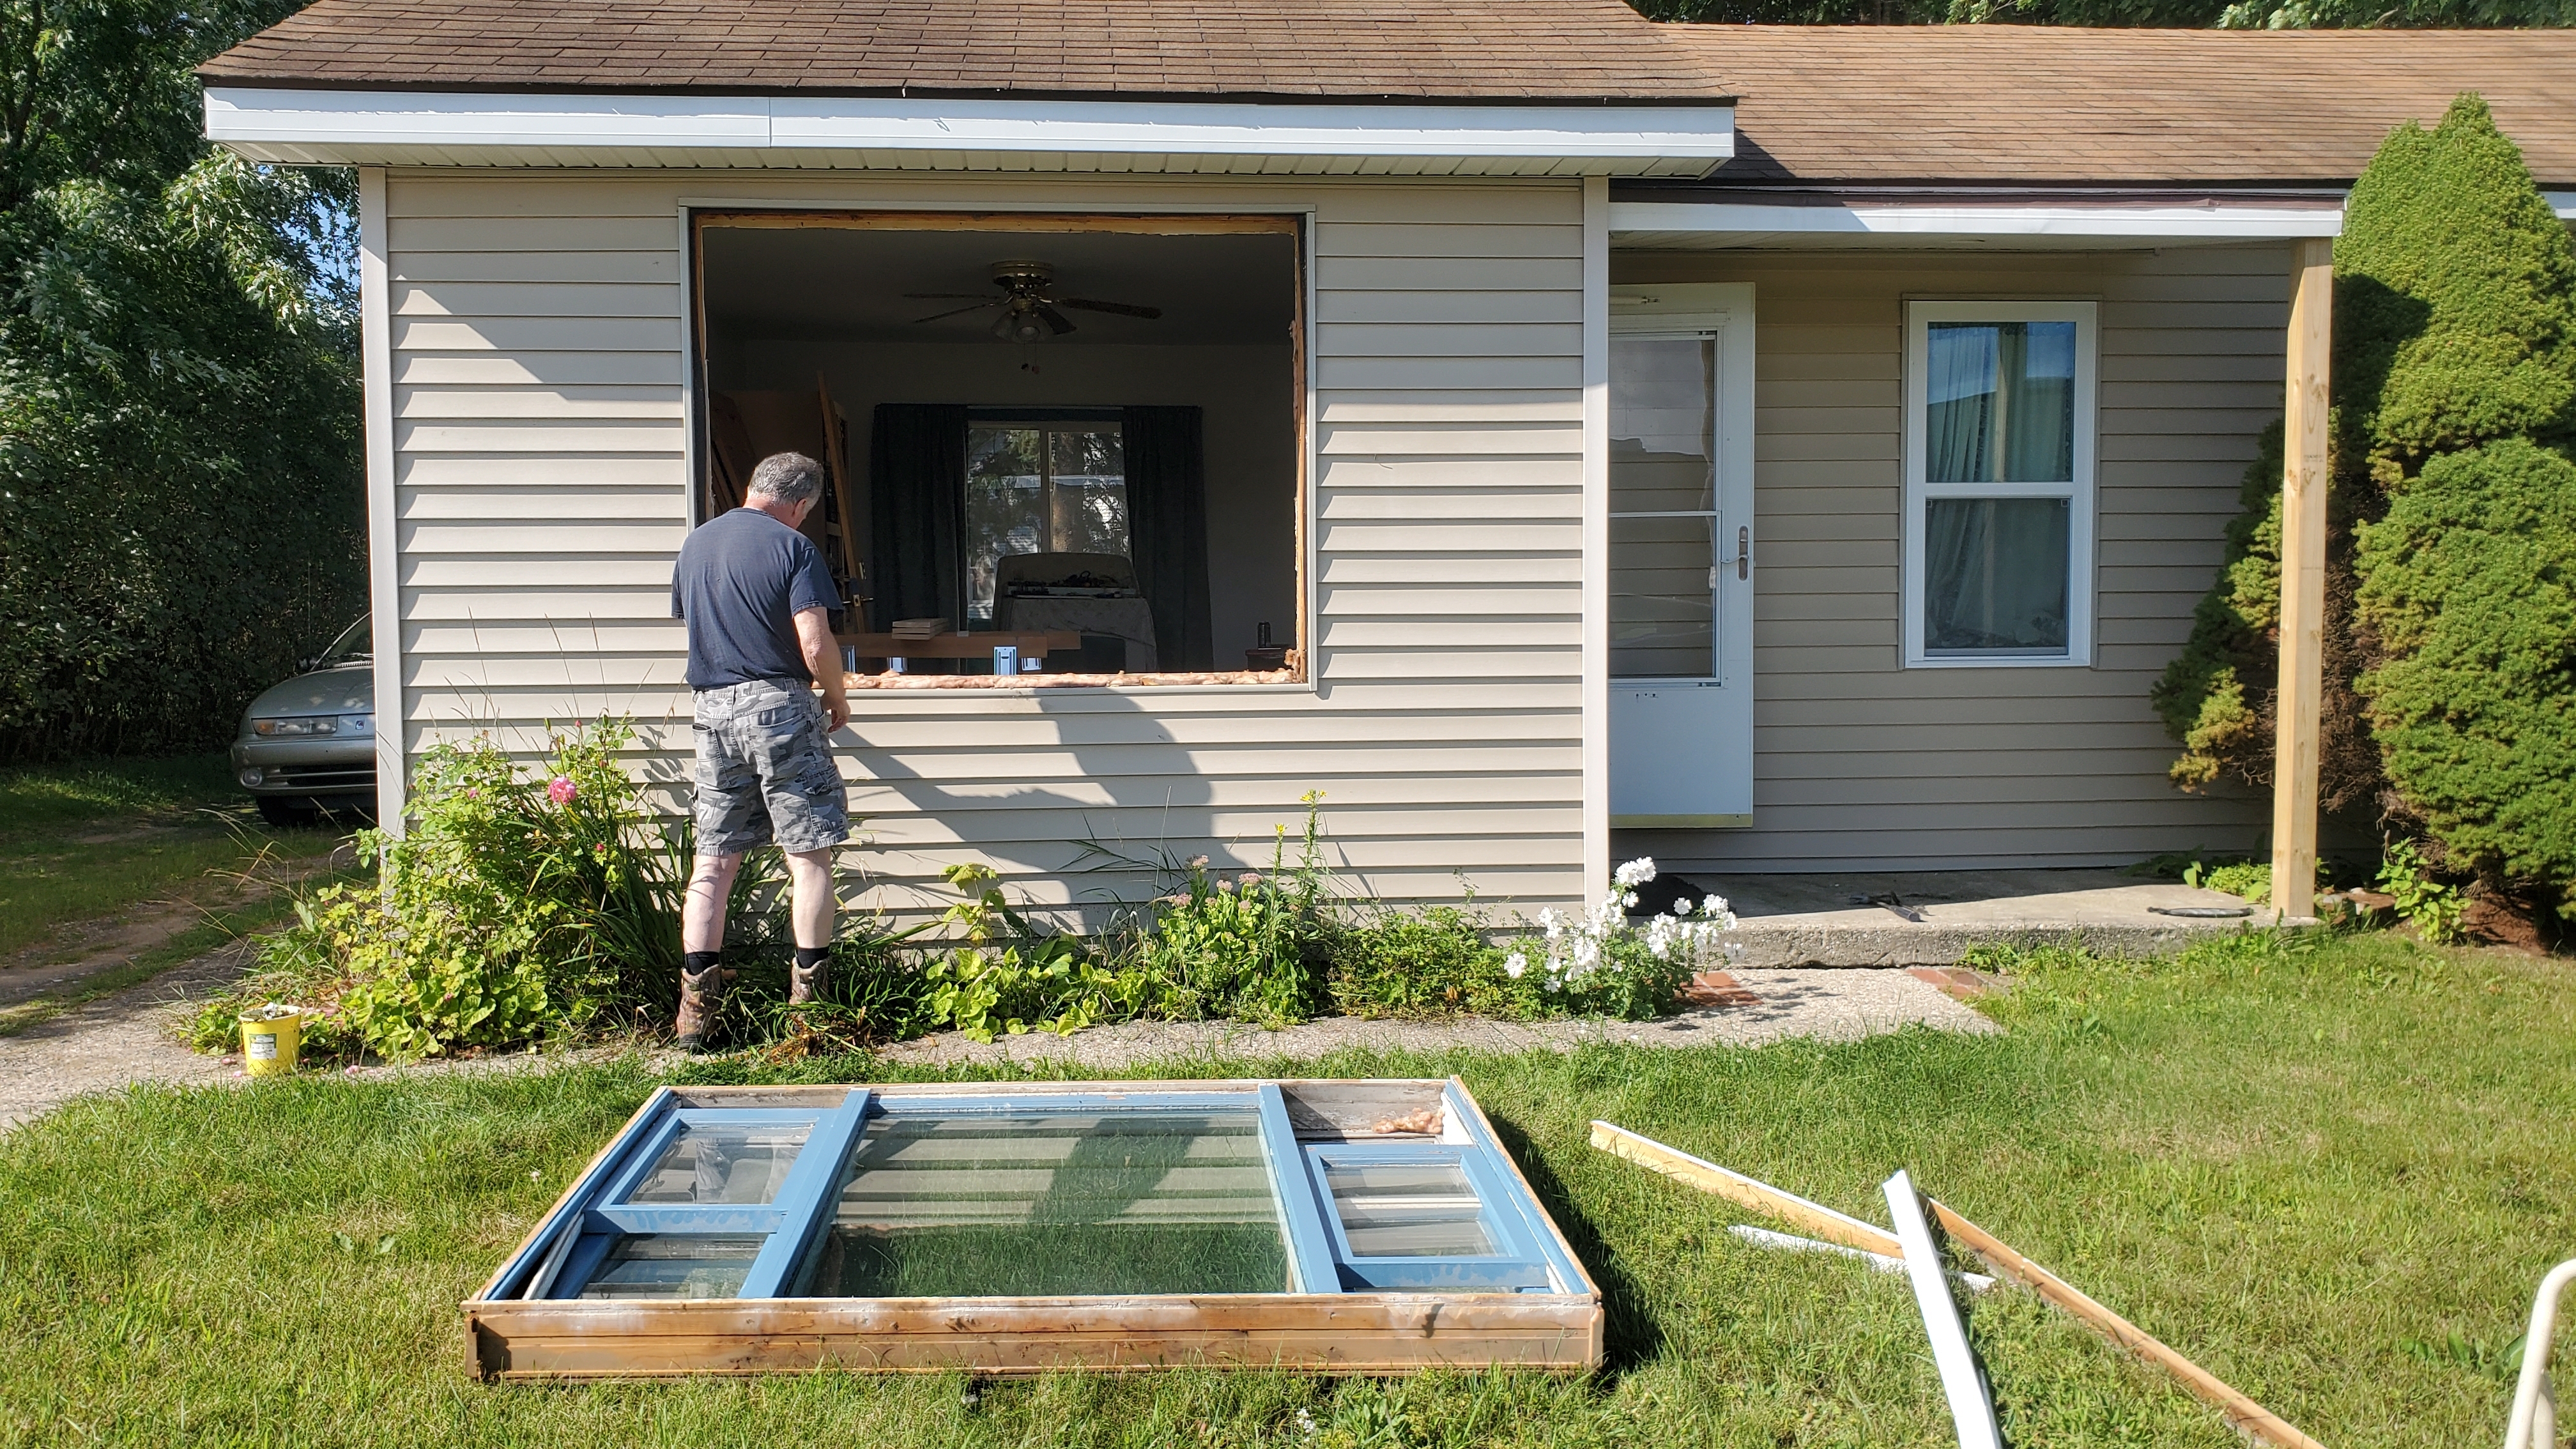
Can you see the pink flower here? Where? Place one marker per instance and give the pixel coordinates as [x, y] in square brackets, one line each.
[562, 790]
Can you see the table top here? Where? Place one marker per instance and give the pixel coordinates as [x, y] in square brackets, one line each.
[1032, 644]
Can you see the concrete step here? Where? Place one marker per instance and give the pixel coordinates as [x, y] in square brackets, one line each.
[1862, 918]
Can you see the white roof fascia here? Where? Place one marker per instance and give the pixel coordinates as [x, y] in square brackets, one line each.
[483, 128]
[2218, 221]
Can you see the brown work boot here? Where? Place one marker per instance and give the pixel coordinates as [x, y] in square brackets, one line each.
[805, 983]
[701, 992]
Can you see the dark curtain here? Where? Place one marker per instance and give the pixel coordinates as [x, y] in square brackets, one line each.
[1167, 530]
[917, 503]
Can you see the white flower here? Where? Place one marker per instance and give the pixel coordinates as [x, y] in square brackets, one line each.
[1636, 872]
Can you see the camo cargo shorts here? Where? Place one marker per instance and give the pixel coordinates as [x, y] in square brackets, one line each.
[765, 771]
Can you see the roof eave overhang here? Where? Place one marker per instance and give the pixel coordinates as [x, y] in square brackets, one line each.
[308, 126]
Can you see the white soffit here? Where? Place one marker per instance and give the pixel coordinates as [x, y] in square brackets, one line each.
[2109, 222]
[437, 128]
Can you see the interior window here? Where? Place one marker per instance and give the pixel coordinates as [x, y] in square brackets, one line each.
[1040, 488]
[1999, 481]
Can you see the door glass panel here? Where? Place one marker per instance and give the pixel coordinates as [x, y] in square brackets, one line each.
[1663, 507]
[674, 1265]
[722, 1162]
[1663, 619]
[1407, 1209]
[1995, 576]
[1048, 1203]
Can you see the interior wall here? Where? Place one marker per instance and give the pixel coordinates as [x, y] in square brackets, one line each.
[1245, 392]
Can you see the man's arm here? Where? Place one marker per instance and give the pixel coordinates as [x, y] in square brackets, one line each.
[823, 661]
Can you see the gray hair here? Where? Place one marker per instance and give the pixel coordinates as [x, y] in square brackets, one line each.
[787, 477]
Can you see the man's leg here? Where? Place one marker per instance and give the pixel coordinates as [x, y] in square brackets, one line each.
[702, 928]
[809, 873]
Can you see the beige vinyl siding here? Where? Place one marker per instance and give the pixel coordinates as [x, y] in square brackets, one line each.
[541, 476]
[1861, 763]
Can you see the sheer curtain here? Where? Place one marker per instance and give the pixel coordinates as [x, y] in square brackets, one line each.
[1167, 530]
[1999, 407]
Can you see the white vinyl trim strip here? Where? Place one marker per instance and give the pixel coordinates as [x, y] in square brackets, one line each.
[356, 125]
[2249, 223]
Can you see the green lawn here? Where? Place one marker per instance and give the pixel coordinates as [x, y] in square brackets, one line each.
[2330, 1170]
[78, 842]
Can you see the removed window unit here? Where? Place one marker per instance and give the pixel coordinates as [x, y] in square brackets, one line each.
[1347, 1226]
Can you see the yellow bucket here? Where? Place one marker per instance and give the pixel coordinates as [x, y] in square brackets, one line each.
[270, 1039]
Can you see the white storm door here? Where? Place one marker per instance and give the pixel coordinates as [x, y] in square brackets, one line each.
[1681, 565]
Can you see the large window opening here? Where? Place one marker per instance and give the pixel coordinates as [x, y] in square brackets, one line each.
[1066, 449]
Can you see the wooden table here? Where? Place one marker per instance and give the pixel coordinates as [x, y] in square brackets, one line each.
[952, 645]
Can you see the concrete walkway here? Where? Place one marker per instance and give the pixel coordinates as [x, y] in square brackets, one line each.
[1931, 918]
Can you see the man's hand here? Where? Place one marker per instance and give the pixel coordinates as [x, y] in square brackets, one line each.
[823, 661]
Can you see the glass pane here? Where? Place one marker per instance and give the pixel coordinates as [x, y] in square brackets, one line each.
[1995, 576]
[1043, 1204]
[1408, 1209]
[1663, 424]
[728, 1162]
[1004, 505]
[2000, 402]
[1088, 467]
[673, 1265]
[1663, 597]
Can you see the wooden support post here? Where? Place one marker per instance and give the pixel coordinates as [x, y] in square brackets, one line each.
[2303, 583]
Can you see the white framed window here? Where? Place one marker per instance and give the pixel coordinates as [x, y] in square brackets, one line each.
[1999, 460]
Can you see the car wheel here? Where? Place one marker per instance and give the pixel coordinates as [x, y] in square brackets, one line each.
[286, 814]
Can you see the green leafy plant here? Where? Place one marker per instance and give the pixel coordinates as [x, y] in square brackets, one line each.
[514, 909]
[1008, 976]
[2434, 908]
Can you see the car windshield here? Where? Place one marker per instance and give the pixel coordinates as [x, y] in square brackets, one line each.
[352, 647]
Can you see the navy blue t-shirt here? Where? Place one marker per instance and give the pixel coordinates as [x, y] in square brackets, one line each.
[741, 581]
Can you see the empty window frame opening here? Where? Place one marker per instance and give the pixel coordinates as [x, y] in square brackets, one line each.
[1349, 1226]
[1063, 450]
[1999, 459]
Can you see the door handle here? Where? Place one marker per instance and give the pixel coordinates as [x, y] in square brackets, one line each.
[1744, 553]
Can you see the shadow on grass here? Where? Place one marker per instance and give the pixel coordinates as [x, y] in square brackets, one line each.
[1631, 1336]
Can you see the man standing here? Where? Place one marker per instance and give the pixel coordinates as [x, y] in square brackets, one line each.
[757, 600]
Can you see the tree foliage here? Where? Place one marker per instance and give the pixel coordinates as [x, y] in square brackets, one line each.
[2459, 403]
[2469, 584]
[179, 448]
[2450, 689]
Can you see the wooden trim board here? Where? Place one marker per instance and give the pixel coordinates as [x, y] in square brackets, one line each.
[1336, 1333]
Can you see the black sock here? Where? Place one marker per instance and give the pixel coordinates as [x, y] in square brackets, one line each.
[809, 957]
[694, 962]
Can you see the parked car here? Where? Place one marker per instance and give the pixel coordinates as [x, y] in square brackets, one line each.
[307, 747]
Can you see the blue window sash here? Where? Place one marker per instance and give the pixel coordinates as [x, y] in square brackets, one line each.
[1302, 1210]
[558, 1262]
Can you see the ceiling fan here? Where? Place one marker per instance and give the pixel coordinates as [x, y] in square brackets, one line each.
[1029, 313]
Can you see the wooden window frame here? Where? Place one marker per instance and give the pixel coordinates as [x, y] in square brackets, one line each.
[2080, 491]
[1529, 1305]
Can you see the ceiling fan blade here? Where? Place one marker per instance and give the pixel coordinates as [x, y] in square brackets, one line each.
[1054, 319]
[950, 296]
[956, 312]
[1123, 309]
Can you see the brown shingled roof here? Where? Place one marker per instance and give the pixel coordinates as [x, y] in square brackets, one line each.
[2042, 105]
[1485, 50]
